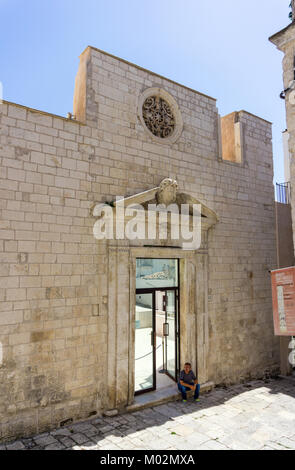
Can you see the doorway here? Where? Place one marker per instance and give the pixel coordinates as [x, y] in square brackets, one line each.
[156, 324]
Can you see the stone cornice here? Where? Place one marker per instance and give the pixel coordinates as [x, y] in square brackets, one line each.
[281, 37]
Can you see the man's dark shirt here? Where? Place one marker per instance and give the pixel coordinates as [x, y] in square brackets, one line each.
[187, 378]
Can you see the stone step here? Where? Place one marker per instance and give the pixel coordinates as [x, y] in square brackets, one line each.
[164, 395]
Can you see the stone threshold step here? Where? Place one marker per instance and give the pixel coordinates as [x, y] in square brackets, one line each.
[165, 395]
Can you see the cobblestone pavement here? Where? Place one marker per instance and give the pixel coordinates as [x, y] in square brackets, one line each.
[256, 415]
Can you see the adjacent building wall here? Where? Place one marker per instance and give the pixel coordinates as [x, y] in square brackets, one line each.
[54, 288]
[285, 258]
[286, 156]
[285, 42]
[285, 247]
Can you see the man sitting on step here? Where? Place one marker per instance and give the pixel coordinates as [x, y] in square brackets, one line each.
[188, 381]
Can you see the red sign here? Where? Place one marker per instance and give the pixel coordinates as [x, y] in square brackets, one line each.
[283, 300]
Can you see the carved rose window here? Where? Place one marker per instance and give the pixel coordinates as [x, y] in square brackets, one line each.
[158, 116]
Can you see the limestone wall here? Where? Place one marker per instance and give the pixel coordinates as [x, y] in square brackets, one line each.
[54, 291]
[285, 42]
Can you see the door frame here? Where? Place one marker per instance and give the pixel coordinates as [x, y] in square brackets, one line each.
[193, 301]
[153, 290]
[176, 332]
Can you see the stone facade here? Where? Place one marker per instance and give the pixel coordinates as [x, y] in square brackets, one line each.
[285, 42]
[67, 299]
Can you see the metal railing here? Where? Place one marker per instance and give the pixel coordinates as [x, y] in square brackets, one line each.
[283, 193]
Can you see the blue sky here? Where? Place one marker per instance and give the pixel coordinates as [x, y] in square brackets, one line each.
[218, 47]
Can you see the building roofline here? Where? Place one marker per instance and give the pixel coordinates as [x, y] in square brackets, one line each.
[255, 115]
[38, 111]
[279, 33]
[149, 71]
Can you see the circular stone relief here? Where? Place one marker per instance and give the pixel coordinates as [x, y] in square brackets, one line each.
[160, 115]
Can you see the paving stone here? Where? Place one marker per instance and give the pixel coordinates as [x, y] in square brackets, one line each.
[288, 443]
[110, 447]
[67, 441]
[185, 445]
[82, 427]
[215, 445]
[115, 439]
[260, 418]
[97, 421]
[45, 440]
[239, 441]
[61, 432]
[212, 433]
[17, 445]
[89, 445]
[101, 442]
[160, 444]
[28, 443]
[197, 439]
[79, 438]
[203, 447]
[276, 446]
[105, 429]
[127, 445]
[57, 446]
[96, 439]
